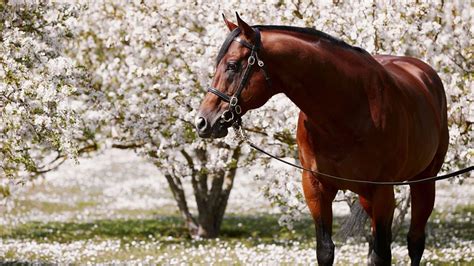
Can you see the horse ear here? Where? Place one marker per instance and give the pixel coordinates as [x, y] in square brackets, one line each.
[248, 31]
[229, 24]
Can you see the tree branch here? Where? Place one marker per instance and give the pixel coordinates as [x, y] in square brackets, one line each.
[176, 188]
[199, 195]
[124, 146]
[225, 193]
[62, 158]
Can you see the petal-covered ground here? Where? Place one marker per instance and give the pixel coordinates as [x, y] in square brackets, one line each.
[116, 207]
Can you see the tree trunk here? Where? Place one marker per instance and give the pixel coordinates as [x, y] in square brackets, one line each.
[211, 201]
[399, 216]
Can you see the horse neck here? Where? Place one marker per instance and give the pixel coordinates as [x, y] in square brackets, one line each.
[326, 81]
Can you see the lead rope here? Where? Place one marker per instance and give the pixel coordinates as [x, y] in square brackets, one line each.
[242, 136]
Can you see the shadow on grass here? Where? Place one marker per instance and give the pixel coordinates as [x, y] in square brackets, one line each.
[263, 227]
[117, 228]
[171, 229]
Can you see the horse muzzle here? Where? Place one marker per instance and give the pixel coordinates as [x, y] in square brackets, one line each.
[206, 130]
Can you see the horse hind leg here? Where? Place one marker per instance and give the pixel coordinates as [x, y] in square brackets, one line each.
[319, 200]
[422, 199]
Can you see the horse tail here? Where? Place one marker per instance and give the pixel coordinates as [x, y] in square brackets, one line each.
[355, 224]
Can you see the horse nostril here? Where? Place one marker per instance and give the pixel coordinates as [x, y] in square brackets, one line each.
[201, 124]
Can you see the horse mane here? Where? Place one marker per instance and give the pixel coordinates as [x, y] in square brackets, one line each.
[312, 32]
[308, 31]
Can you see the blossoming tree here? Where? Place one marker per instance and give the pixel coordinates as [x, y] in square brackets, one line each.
[40, 93]
[149, 62]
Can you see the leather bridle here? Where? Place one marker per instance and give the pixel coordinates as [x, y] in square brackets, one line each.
[232, 116]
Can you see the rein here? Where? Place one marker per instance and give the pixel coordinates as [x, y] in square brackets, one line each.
[233, 116]
[242, 136]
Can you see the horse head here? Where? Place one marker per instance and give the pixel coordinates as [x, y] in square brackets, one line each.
[240, 82]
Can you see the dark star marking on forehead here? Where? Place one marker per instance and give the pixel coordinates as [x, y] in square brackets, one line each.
[309, 31]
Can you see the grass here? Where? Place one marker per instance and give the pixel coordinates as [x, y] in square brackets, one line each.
[162, 234]
[26, 205]
[263, 227]
[126, 229]
[83, 221]
[166, 236]
[457, 225]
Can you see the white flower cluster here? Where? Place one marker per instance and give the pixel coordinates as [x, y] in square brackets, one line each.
[153, 251]
[150, 62]
[37, 81]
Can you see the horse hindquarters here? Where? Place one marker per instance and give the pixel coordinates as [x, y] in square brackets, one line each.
[423, 194]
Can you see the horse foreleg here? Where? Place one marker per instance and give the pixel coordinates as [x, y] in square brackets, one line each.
[422, 198]
[381, 206]
[319, 200]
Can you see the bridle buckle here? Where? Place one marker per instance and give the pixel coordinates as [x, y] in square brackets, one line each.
[233, 101]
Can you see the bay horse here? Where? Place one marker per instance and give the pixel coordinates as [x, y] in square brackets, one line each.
[362, 117]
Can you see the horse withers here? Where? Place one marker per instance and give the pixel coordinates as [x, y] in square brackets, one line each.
[363, 117]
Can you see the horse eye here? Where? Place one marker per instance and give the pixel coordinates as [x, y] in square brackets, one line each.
[232, 66]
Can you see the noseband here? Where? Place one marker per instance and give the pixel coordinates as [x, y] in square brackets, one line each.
[232, 114]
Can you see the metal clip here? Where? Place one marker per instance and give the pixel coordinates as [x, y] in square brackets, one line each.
[251, 60]
[259, 62]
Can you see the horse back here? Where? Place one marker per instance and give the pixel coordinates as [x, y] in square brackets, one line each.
[414, 77]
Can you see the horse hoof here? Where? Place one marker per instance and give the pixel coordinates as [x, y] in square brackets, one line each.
[375, 259]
